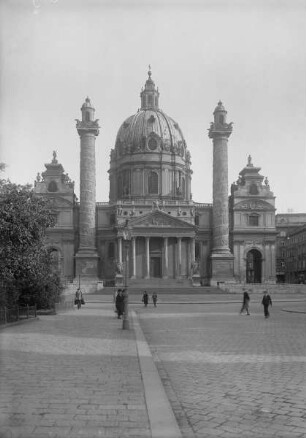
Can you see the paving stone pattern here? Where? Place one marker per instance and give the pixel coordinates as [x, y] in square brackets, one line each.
[229, 375]
[71, 375]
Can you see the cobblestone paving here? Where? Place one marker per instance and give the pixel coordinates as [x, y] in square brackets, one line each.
[228, 375]
[71, 375]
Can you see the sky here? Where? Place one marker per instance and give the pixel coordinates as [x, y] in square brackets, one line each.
[251, 55]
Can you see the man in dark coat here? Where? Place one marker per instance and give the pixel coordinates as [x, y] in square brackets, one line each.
[145, 298]
[119, 303]
[266, 302]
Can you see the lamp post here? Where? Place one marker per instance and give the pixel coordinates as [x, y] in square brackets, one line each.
[126, 234]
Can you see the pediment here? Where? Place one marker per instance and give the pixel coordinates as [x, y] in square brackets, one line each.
[254, 205]
[158, 219]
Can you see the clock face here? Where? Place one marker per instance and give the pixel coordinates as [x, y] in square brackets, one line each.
[152, 144]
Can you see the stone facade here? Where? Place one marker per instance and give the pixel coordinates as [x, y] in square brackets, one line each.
[252, 227]
[173, 240]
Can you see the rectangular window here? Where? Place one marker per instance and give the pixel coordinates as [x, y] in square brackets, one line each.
[253, 221]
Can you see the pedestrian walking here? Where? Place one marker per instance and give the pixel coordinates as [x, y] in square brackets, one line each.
[245, 303]
[78, 298]
[114, 299]
[145, 298]
[119, 303]
[154, 298]
[266, 302]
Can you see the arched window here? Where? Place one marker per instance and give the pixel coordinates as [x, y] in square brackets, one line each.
[119, 187]
[183, 186]
[87, 116]
[221, 119]
[52, 187]
[153, 183]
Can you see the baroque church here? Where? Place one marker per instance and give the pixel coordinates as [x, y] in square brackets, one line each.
[151, 232]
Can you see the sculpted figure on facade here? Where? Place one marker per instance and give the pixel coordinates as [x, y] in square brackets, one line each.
[195, 267]
[118, 267]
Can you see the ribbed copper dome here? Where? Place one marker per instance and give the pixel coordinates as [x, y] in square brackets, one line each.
[150, 130]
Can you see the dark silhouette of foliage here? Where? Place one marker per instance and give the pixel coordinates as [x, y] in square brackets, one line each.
[26, 274]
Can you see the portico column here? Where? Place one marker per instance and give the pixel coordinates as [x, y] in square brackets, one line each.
[179, 256]
[134, 256]
[120, 249]
[189, 259]
[147, 257]
[165, 273]
[192, 244]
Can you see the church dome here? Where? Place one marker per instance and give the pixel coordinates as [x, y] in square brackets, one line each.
[150, 129]
[150, 157]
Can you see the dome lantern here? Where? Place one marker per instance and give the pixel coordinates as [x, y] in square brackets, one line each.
[149, 95]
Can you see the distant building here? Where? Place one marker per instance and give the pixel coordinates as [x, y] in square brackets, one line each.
[174, 240]
[291, 248]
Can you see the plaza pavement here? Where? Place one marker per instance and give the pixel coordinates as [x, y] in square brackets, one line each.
[78, 374]
[229, 375]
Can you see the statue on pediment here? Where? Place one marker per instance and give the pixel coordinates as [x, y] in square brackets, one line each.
[54, 161]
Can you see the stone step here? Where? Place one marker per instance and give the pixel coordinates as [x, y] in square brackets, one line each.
[206, 290]
[159, 282]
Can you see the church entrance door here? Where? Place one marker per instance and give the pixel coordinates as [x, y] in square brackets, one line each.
[253, 266]
[155, 267]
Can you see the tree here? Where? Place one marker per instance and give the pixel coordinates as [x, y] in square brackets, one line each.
[26, 272]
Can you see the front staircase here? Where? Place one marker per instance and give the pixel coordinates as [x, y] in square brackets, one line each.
[153, 283]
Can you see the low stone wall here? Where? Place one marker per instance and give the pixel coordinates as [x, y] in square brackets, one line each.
[259, 288]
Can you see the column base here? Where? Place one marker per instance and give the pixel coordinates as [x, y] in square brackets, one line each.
[119, 280]
[196, 280]
[86, 263]
[222, 268]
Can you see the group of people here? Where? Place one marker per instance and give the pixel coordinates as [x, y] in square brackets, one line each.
[145, 298]
[120, 294]
[266, 302]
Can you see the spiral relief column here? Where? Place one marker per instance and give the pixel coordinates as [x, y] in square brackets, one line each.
[222, 261]
[86, 257]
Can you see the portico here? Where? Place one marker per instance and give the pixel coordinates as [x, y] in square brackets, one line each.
[161, 247]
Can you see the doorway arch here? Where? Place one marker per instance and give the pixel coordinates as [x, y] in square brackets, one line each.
[253, 266]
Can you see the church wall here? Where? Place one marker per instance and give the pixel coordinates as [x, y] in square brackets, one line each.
[68, 259]
[65, 218]
[204, 219]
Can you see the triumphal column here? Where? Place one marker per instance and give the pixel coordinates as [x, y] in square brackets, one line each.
[86, 257]
[222, 261]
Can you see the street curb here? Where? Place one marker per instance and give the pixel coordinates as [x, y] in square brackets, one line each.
[293, 311]
[162, 420]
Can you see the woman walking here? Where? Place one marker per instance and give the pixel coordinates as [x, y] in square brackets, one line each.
[245, 303]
